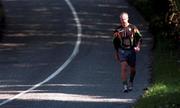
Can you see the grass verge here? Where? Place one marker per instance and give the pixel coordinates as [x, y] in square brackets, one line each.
[164, 91]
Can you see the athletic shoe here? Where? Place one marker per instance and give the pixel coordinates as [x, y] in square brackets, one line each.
[130, 86]
[125, 89]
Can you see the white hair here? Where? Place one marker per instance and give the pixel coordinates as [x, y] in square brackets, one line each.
[125, 14]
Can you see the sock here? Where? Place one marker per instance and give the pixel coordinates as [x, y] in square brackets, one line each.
[124, 82]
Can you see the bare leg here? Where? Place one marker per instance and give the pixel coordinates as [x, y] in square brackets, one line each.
[132, 73]
[124, 72]
[124, 76]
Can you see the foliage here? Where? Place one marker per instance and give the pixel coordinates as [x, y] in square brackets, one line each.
[163, 17]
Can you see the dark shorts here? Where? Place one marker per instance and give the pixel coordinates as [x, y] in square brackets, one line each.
[129, 56]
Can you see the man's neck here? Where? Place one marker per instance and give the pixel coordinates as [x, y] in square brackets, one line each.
[126, 25]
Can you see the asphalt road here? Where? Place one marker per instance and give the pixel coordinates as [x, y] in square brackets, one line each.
[59, 54]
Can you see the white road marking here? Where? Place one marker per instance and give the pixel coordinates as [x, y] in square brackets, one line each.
[63, 66]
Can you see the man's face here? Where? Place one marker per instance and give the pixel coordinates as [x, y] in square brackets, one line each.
[124, 19]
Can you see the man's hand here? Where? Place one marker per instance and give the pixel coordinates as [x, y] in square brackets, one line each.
[116, 34]
[137, 49]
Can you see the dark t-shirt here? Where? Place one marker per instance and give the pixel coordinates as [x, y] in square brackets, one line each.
[129, 37]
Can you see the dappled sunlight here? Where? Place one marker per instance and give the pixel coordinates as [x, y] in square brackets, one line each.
[29, 65]
[17, 34]
[72, 98]
[7, 81]
[2, 45]
[10, 91]
[147, 38]
[160, 89]
[42, 9]
[10, 46]
[67, 98]
[97, 36]
[112, 6]
[10, 86]
[41, 29]
[88, 14]
[61, 95]
[107, 24]
[61, 43]
[144, 46]
[68, 85]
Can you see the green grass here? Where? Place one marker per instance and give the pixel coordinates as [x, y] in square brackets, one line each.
[164, 92]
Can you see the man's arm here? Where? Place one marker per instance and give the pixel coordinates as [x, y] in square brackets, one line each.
[116, 43]
[138, 40]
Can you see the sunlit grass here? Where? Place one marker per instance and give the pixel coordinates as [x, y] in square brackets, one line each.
[158, 99]
[157, 89]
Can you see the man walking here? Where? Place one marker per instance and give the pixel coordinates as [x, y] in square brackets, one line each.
[127, 40]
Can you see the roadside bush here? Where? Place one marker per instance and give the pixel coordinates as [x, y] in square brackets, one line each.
[164, 19]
